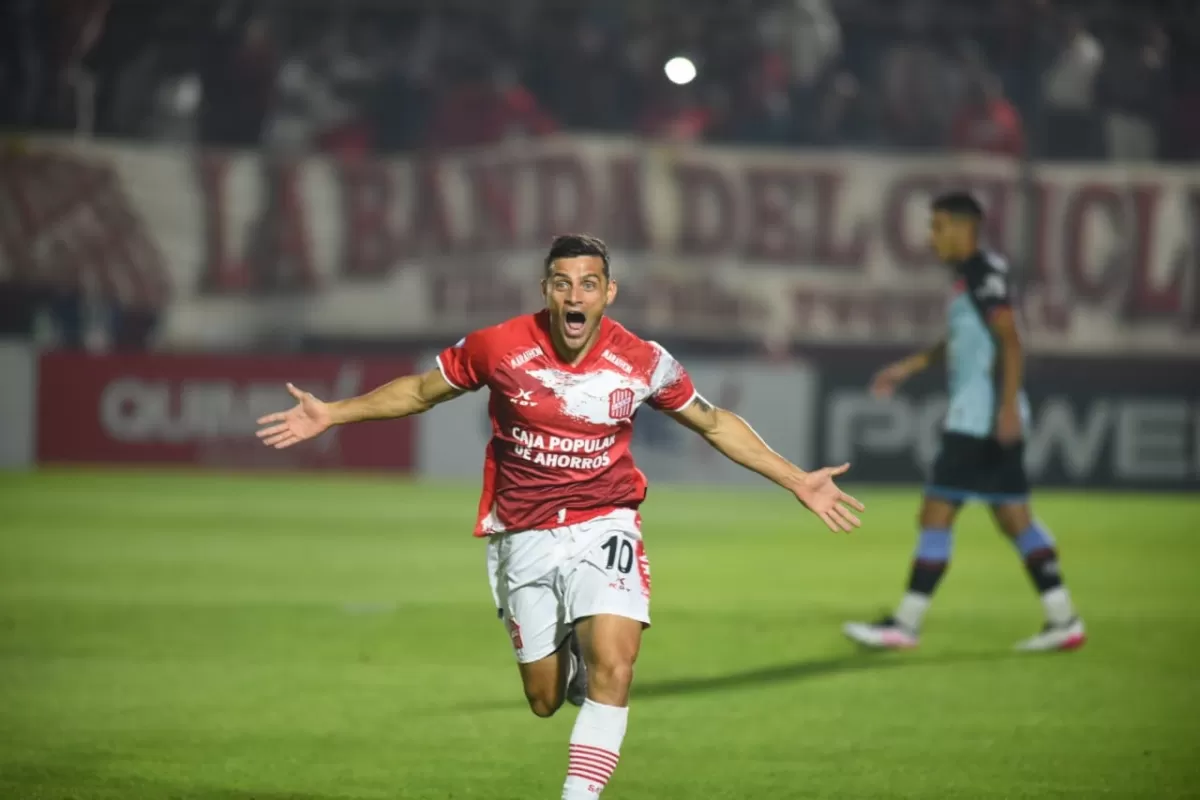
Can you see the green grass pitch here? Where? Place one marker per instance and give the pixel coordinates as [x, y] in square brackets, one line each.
[177, 635]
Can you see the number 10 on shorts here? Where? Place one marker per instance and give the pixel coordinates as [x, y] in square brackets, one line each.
[622, 556]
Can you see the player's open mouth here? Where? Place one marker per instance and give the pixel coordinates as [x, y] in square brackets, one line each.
[574, 322]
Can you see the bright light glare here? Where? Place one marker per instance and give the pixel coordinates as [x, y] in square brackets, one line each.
[680, 70]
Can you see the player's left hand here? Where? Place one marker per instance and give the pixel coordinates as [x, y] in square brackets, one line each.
[821, 495]
[1008, 425]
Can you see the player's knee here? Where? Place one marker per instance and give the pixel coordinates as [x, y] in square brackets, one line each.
[1012, 520]
[544, 698]
[543, 707]
[611, 677]
[543, 704]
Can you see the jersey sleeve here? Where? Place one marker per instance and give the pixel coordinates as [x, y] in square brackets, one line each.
[671, 388]
[992, 292]
[464, 366]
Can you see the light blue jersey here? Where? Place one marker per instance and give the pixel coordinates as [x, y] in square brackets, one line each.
[972, 355]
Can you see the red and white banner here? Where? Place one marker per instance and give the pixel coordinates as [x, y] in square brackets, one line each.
[201, 410]
[709, 242]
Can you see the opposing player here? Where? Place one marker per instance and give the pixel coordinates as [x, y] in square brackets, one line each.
[565, 557]
[982, 452]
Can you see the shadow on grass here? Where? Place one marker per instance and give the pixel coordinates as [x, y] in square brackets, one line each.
[861, 661]
[801, 670]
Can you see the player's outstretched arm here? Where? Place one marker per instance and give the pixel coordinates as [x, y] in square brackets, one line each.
[737, 441]
[887, 379]
[311, 417]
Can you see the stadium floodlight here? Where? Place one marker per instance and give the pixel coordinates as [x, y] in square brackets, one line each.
[680, 70]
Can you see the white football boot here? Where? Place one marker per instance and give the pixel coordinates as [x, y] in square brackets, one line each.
[1056, 637]
[886, 634]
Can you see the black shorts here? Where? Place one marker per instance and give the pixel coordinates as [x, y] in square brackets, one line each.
[970, 468]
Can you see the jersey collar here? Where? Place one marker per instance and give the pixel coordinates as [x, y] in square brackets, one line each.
[542, 319]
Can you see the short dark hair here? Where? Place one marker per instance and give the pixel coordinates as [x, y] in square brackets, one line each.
[572, 245]
[959, 204]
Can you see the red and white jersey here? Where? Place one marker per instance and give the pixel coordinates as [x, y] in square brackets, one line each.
[559, 452]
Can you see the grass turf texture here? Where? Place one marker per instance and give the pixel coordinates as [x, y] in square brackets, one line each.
[191, 636]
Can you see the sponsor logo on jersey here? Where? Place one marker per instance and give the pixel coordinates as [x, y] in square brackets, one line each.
[617, 361]
[526, 357]
[993, 286]
[620, 403]
[523, 398]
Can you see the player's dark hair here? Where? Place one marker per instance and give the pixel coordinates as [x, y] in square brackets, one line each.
[959, 204]
[573, 245]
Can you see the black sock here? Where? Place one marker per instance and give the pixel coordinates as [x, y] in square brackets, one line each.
[1040, 557]
[929, 565]
[930, 561]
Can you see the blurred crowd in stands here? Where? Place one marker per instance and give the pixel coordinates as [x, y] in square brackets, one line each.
[1055, 79]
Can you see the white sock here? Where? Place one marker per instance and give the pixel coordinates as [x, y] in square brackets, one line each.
[595, 748]
[1058, 606]
[911, 611]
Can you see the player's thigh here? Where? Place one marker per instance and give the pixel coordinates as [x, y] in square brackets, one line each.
[523, 571]
[1007, 489]
[608, 570]
[937, 513]
[544, 681]
[610, 645]
[954, 479]
[609, 640]
[1012, 519]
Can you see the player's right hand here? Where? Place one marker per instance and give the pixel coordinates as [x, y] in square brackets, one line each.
[308, 418]
[887, 379]
[821, 495]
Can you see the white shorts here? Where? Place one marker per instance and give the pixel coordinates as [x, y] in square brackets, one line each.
[543, 581]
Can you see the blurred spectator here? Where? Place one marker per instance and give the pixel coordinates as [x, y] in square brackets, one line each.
[1135, 91]
[1069, 93]
[238, 73]
[349, 79]
[401, 100]
[678, 116]
[1018, 45]
[809, 33]
[78, 26]
[987, 121]
[763, 111]
[300, 97]
[22, 67]
[485, 108]
[915, 84]
[590, 81]
[1185, 116]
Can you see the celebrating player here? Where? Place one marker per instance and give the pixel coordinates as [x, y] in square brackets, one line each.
[566, 561]
[982, 453]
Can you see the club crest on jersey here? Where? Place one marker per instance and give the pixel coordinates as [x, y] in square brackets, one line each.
[620, 403]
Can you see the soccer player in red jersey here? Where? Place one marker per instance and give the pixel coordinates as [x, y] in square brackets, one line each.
[559, 508]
